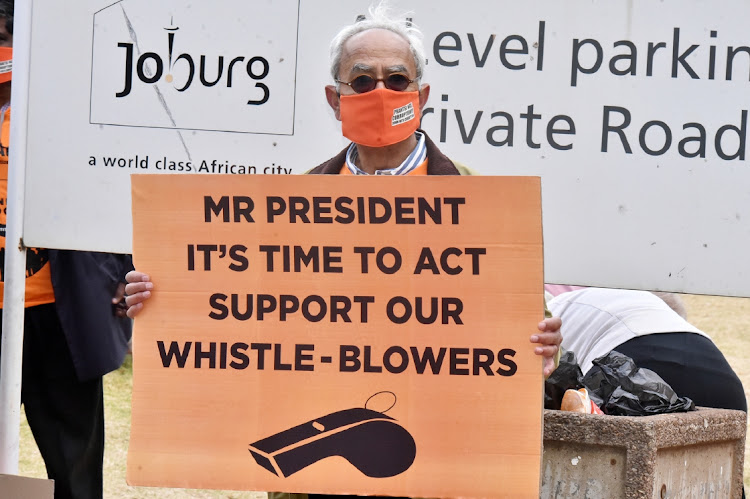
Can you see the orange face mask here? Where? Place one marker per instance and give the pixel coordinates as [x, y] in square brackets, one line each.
[6, 63]
[381, 117]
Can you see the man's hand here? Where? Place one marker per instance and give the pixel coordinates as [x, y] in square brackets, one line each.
[549, 339]
[118, 301]
[138, 290]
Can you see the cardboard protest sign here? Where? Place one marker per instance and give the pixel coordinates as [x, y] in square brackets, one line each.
[337, 334]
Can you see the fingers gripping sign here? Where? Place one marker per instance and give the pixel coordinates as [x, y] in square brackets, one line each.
[548, 340]
[137, 291]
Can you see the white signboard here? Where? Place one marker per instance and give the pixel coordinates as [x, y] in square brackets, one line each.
[187, 77]
[634, 113]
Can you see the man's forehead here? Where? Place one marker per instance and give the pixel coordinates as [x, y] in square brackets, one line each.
[377, 46]
[365, 68]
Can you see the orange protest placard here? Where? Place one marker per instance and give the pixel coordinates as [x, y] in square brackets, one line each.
[338, 334]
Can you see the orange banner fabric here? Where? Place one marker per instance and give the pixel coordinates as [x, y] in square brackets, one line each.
[338, 334]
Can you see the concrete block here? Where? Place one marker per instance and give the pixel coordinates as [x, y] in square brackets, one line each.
[21, 487]
[684, 455]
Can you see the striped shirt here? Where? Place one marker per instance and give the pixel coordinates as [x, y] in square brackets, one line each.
[416, 158]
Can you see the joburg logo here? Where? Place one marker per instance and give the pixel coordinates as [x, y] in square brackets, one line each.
[402, 114]
[256, 68]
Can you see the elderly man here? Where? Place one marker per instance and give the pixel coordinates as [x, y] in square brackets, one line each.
[377, 67]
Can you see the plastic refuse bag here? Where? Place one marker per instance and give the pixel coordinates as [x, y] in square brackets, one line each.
[621, 388]
[568, 375]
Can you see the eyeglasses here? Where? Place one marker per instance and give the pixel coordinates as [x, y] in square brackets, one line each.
[364, 83]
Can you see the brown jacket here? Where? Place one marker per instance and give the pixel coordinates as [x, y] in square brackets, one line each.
[437, 162]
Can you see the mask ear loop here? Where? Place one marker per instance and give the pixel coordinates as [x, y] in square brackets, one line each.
[379, 393]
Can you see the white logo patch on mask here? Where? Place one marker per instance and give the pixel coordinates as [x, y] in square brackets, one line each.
[403, 114]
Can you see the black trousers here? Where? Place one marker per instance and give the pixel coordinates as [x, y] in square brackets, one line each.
[66, 416]
[692, 365]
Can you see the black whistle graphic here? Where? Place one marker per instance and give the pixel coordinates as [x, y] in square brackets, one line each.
[372, 442]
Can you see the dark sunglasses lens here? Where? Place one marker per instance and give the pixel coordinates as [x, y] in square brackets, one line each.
[363, 83]
[397, 82]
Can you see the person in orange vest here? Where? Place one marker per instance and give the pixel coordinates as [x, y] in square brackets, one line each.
[75, 331]
[378, 95]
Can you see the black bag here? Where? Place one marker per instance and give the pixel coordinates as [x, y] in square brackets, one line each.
[568, 375]
[620, 388]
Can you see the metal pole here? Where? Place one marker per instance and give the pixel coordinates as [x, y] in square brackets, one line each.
[15, 252]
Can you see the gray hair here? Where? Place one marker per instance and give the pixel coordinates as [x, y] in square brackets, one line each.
[380, 17]
[674, 302]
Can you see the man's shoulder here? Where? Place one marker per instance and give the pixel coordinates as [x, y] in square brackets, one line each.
[463, 169]
[330, 167]
[440, 164]
[437, 163]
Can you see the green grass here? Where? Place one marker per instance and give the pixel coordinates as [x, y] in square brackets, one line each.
[118, 387]
[725, 320]
[722, 318]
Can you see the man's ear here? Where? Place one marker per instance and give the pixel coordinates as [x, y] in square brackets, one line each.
[332, 96]
[424, 93]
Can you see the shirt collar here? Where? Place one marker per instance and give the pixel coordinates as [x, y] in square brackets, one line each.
[416, 158]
